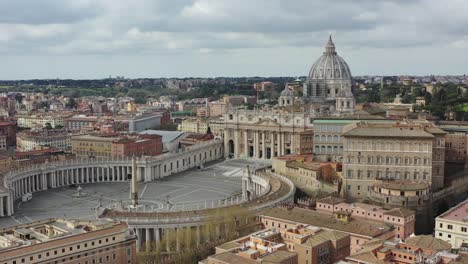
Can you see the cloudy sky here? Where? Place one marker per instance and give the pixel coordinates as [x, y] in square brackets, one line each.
[206, 38]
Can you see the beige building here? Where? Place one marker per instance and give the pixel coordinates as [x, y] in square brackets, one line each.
[407, 152]
[40, 121]
[452, 226]
[306, 174]
[263, 134]
[328, 135]
[217, 108]
[194, 125]
[57, 139]
[92, 146]
[68, 241]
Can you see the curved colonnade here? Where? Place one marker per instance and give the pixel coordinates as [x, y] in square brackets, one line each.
[154, 229]
[41, 177]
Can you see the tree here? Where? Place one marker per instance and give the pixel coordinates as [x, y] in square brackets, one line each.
[71, 103]
[48, 126]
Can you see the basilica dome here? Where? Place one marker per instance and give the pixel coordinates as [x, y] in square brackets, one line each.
[330, 65]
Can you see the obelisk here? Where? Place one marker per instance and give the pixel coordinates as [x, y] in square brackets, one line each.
[133, 188]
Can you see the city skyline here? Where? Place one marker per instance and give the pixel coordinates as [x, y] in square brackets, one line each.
[205, 38]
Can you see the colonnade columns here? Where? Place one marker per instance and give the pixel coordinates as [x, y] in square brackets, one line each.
[11, 209]
[198, 235]
[139, 238]
[157, 237]
[168, 241]
[148, 239]
[177, 239]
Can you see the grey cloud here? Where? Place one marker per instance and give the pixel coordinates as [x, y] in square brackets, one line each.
[47, 11]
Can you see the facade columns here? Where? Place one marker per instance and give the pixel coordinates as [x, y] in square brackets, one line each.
[257, 145]
[283, 141]
[246, 144]
[168, 241]
[178, 239]
[263, 146]
[236, 143]
[272, 145]
[9, 205]
[226, 143]
[198, 235]
[1, 206]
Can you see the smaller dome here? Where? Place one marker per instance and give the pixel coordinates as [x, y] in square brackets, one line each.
[287, 92]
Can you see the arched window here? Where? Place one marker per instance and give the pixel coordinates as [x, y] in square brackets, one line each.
[407, 161]
[397, 175]
[388, 160]
[379, 160]
[378, 174]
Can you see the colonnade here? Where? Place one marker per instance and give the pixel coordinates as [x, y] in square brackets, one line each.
[40, 177]
[42, 180]
[166, 238]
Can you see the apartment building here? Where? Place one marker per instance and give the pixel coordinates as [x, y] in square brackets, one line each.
[415, 250]
[39, 120]
[401, 218]
[452, 226]
[407, 152]
[68, 241]
[36, 140]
